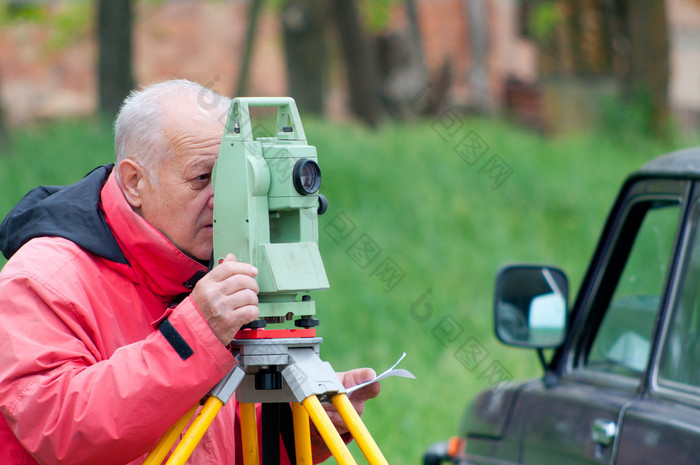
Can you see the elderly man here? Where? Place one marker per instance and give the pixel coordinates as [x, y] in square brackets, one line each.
[105, 286]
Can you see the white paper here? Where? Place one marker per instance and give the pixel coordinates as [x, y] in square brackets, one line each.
[393, 371]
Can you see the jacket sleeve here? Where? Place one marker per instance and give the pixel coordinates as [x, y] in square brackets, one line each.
[66, 404]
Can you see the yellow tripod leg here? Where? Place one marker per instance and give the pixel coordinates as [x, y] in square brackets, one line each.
[168, 439]
[196, 431]
[358, 430]
[249, 434]
[328, 432]
[302, 434]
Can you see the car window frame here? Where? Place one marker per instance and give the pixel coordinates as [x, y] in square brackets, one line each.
[572, 356]
[682, 392]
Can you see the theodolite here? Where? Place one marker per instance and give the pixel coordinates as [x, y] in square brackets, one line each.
[266, 207]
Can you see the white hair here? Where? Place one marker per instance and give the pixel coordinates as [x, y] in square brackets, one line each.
[139, 130]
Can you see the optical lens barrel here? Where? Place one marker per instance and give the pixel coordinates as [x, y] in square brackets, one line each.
[306, 176]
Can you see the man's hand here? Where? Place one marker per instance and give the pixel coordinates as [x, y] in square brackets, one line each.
[227, 296]
[357, 398]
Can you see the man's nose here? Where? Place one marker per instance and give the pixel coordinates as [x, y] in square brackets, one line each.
[210, 202]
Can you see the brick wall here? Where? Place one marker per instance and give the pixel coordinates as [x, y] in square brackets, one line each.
[203, 41]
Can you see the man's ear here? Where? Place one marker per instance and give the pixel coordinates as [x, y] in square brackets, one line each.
[132, 179]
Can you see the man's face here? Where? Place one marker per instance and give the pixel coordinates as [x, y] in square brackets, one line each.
[181, 203]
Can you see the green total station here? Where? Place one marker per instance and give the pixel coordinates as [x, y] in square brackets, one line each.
[266, 207]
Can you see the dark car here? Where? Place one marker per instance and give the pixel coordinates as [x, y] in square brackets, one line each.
[623, 384]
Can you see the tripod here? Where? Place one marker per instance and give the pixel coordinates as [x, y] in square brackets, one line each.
[276, 368]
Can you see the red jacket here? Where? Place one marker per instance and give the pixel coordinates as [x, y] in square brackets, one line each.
[85, 375]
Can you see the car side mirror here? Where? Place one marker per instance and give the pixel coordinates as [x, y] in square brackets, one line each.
[530, 306]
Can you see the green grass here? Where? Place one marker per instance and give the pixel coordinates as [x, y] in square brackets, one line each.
[432, 216]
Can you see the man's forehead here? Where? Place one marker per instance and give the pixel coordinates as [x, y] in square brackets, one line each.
[189, 107]
[194, 149]
[204, 162]
[185, 129]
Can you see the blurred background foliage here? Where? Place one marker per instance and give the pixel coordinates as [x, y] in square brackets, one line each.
[403, 188]
[449, 169]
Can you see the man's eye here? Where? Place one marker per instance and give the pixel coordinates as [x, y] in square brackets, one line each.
[201, 181]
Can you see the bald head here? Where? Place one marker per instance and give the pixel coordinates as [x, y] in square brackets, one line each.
[153, 120]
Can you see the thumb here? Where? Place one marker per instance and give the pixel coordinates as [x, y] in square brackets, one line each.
[359, 376]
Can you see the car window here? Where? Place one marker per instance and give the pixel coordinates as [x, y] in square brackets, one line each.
[680, 359]
[623, 340]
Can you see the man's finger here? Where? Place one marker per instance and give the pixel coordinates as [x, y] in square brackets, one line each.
[239, 299]
[230, 267]
[359, 376]
[237, 283]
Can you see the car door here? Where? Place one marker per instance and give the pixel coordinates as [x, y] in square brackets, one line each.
[573, 415]
[663, 426]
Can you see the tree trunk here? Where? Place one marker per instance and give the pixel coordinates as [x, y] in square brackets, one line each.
[648, 73]
[5, 141]
[305, 53]
[253, 15]
[477, 19]
[114, 67]
[414, 27]
[401, 72]
[359, 62]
